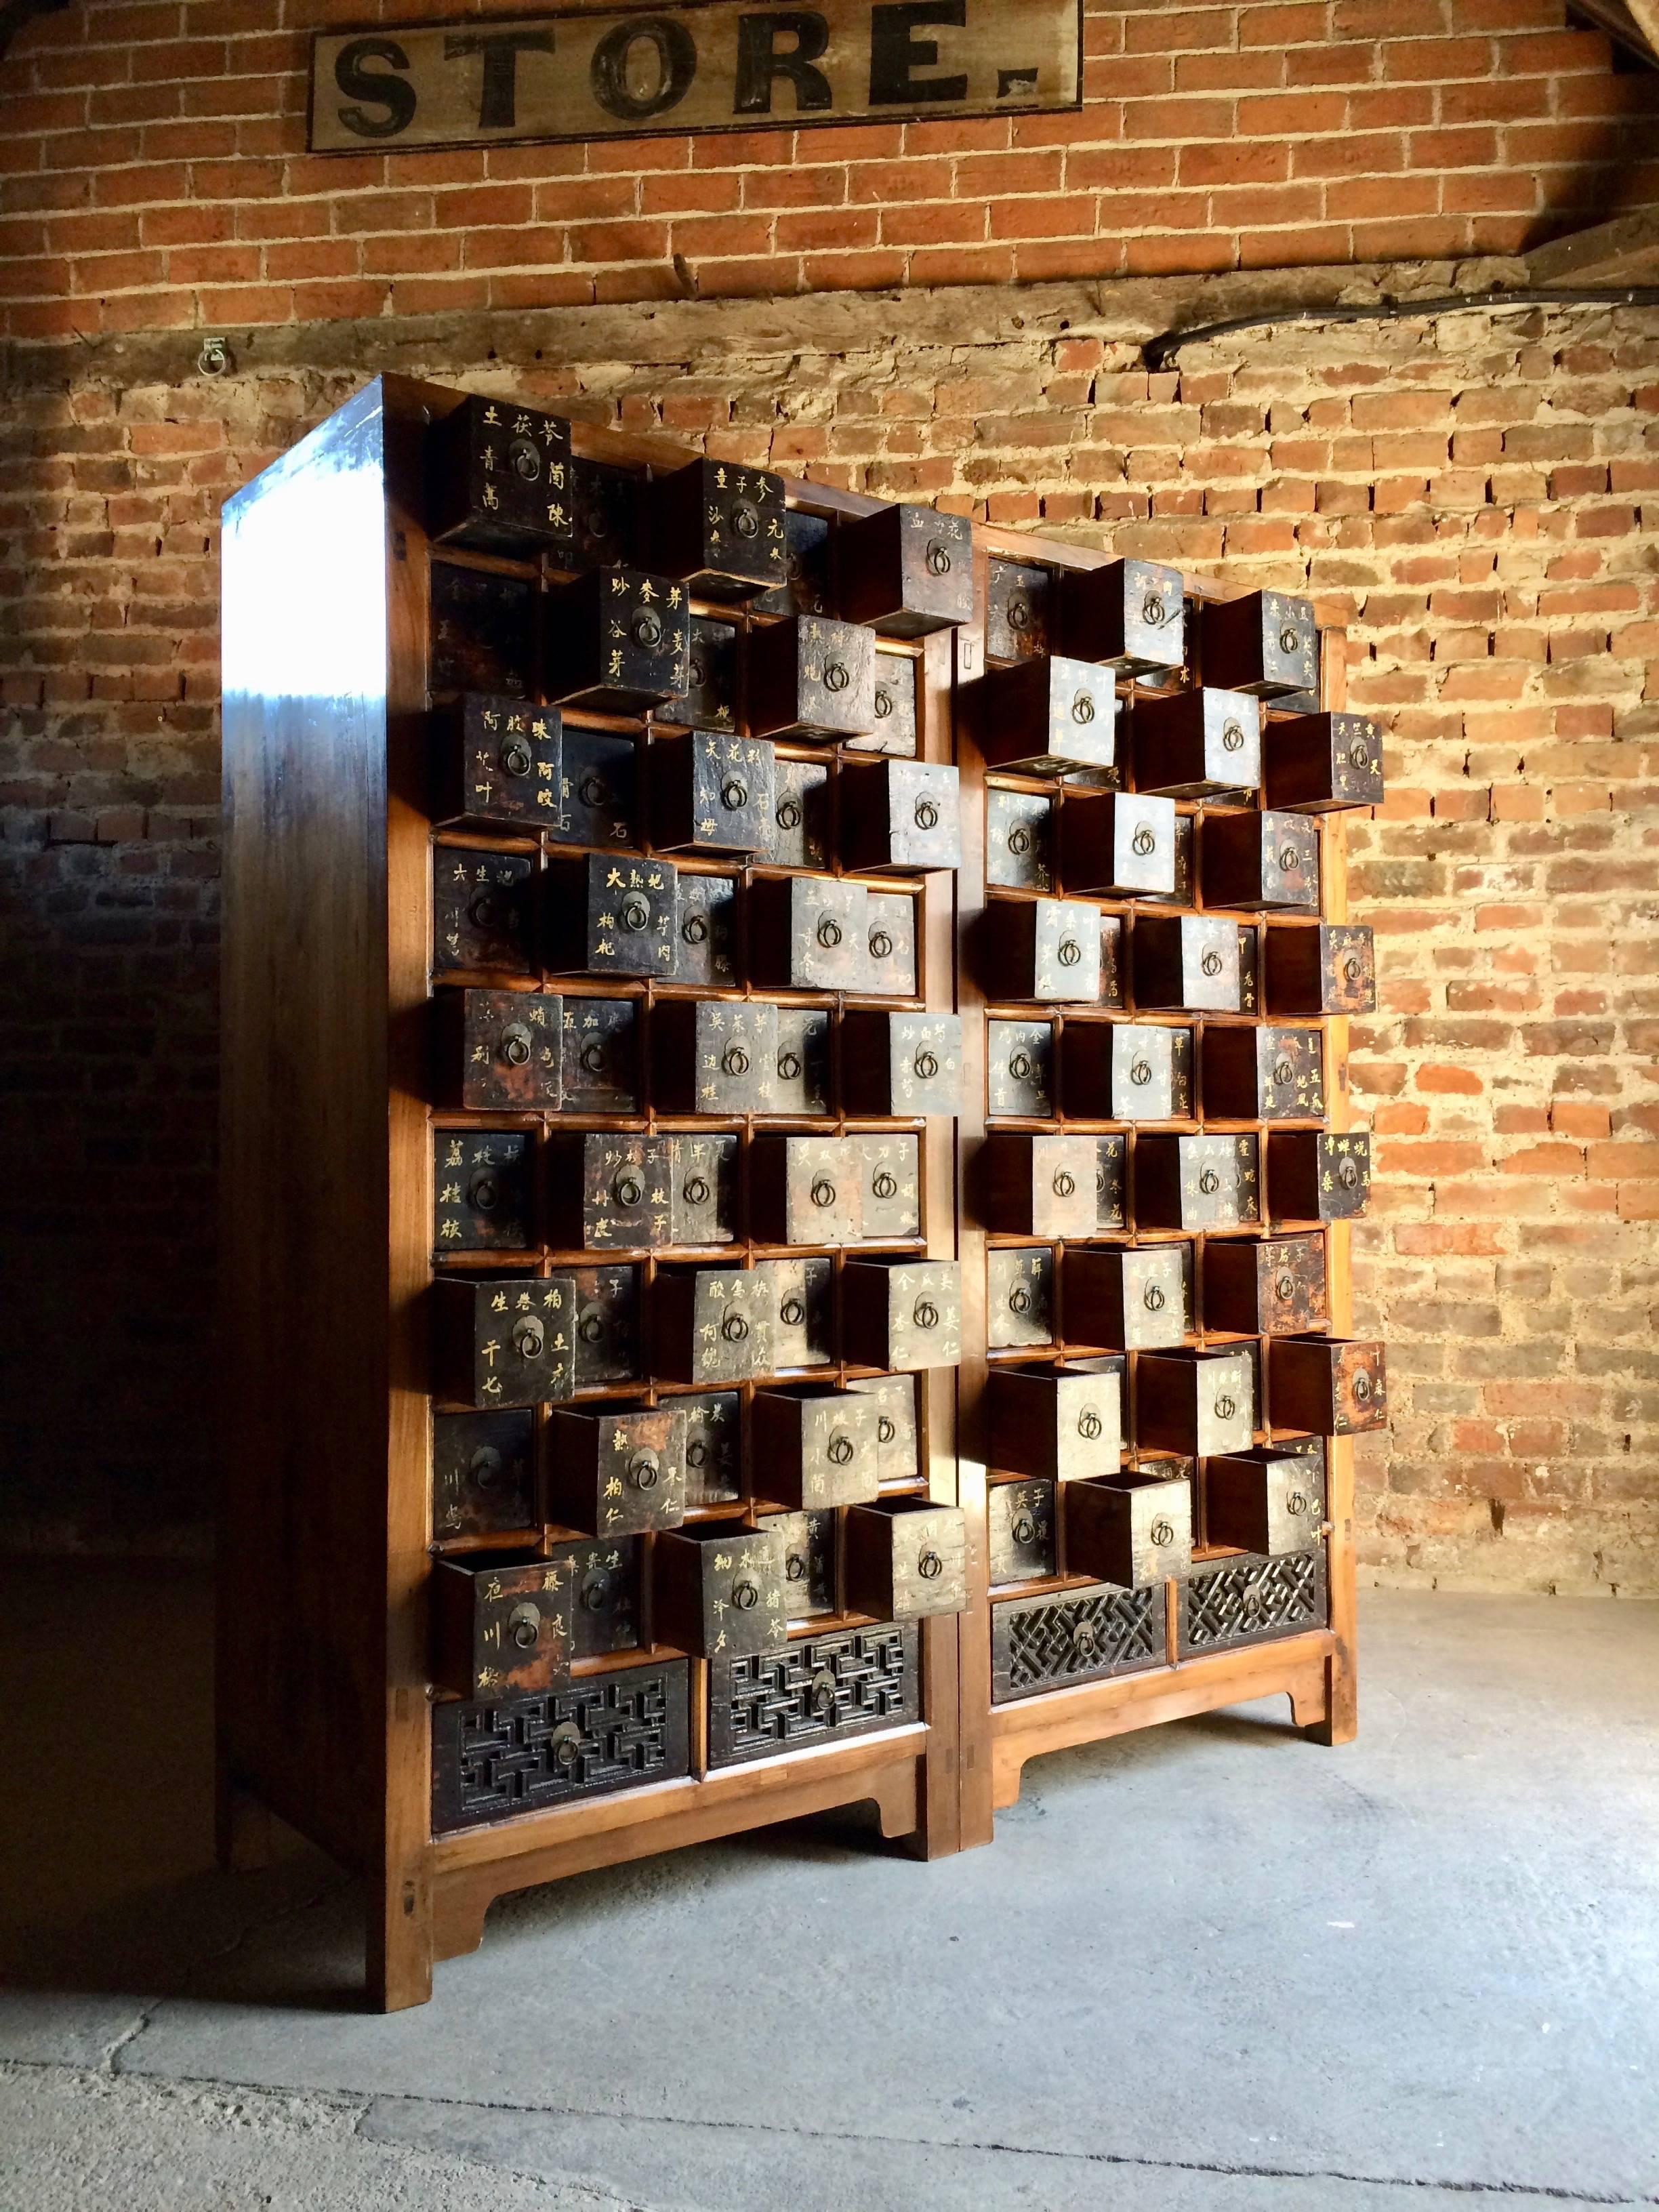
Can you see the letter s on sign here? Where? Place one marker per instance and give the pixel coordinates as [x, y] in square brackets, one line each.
[394, 93]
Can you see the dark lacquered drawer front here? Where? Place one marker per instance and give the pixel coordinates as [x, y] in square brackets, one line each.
[501, 1757]
[1248, 1601]
[817, 1689]
[1080, 1636]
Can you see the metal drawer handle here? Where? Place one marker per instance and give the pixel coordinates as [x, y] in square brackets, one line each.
[1290, 859]
[1153, 1301]
[1296, 1504]
[1232, 736]
[517, 759]
[696, 1453]
[789, 815]
[645, 1470]
[1289, 640]
[1083, 708]
[488, 912]
[1209, 1182]
[1142, 1073]
[1359, 754]
[926, 1314]
[886, 1185]
[734, 796]
[736, 1061]
[828, 934]
[840, 1448]
[1212, 964]
[734, 1329]
[1153, 611]
[485, 1467]
[1065, 1184]
[1070, 952]
[595, 1593]
[926, 814]
[1085, 1643]
[1285, 1289]
[837, 676]
[593, 790]
[927, 1066]
[1024, 1530]
[745, 520]
[1090, 1425]
[1362, 1386]
[1019, 615]
[823, 1192]
[628, 1190]
[524, 1626]
[696, 1192]
[1249, 1599]
[1019, 1299]
[788, 1067]
[823, 1694]
[1347, 1173]
[885, 1431]
[1162, 1533]
[592, 1327]
[1352, 968]
[930, 1567]
[794, 1568]
[1144, 841]
[594, 1058]
[566, 1744]
[516, 1045]
[529, 1338]
[792, 1313]
[885, 704]
[938, 558]
[1226, 1408]
[881, 945]
[1019, 841]
[647, 629]
[635, 912]
[744, 1596]
[1020, 1066]
[483, 1193]
[1283, 1072]
[527, 461]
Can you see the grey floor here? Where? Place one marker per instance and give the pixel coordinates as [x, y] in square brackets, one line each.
[1210, 1969]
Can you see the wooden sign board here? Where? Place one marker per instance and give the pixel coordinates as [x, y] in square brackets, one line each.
[709, 65]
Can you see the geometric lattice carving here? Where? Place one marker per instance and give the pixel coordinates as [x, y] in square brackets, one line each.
[1082, 1635]
[512, 1755]
[1248, 1601]
[819, 1690]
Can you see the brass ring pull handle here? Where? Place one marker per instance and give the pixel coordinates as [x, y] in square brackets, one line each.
[1065, 1184]
[744, 1596]
[591, 1326]
[926, 814]
[645, 1470]
[939, 562]
[1285, 1289]
[647, 629]
[736, 1060]
[792, 1313]
[484, 1467]
[1347, 1174]
[734, 796]
[1019, 1299]
[529, 1337]
[1142, 1073]
[628, 1190]
[1290, 859]
[1153, 611]
[1249, 1599]
[837, 676]
[696, 1192]
[794, 1568]
[789, 815]
[1071, 952]
[881, 945]
[595, 1593]
[526, 460]
[1226, 1408]
[789, 1066]
[734, 1329]
[1352, 968]
[524, 1626]
[1085, 1643]
[1209, 1182]
[823, 1192]
[828, 934]
[927, 1066]
[822, 1695]
[886, 1185]
[1162, 1533]
[483, 1193]
[1363, 1386]
[488, 912]
[1212, 964]
[1024, 1530]
[1083, 709]
[926, 1314]
[594, 1058]
[1019, 615]
[516, 1045]
[1289, 640]
[1020, 1066]
[1296, 1504]
[885, 704]
[1284, 1073]
[635, 913]
[593, 790]
[1153, 1299]
[1359, 754]
[840, 1448]
[696, 1453]
[517, 759]
[566, 1744]
[930, 1567]
[696, 670]
[1232, 736]
[1019, 841]
[745, 520]
[1090, 1427]
[885, 1431]
[1144, 841]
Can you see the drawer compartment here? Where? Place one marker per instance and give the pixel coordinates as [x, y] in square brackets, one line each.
[1040, 1643]
[817, 1689]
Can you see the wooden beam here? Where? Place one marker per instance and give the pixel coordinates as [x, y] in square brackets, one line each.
[1625, 250]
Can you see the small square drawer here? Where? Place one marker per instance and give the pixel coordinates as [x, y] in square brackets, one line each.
[1265, 643]
[604, 502]
[815, 1448]
[1019, 1296]
[889, 1168]
[484, 632]
[504, 1341]
[718, 528]
[603, 1582]
[1022, 1526]
[1043, 1644]
[898, 1450]
[598, 791]
[714, 1055]
[1020, 1058]
[715, 1324]
[1270, 1499]
[1038, 1186]
[484, 1473]
[1113, 950]
[607, 915]
[1264, 1074]
[805, 1190]
[1187, 962]
[1232, 1600]
[618, 1470]
[599, 1070]
[1317, 763]
[1130, 1299]
[712, 793]
[1265, 1286]
[1197, 1182]
[809, 1562]
[1321, 968]
[607, 1329]
[805, 589]
[483, 1190]
[903, 817]
[890, 946]
[501, 1623]
[1327, 1386]
[618, 642]
[720, 1587]
[1019, 840]
[498, 1051]
[809, 933]
[497, 762]
[901, 1315]
[803, 1083]
[1314, 1175]
[1111, 1182]
[483, 910]
[609, 1191]
[1063, 1422]
[906, 1558]
[900, 1064]
[1125, 1072]
[1130, 615]
[1047, 717]
[1021, 610]
[1201, 1403]
[1043, 949]
[907, 571]
[1130, 1530]
[812, 679]
[802, 1298]
[1122, 844]
[1252, 860]
[1202, 744]
[499, 479]
[714, 1447]
[799, 834]
[895, 731]
[702, 1178]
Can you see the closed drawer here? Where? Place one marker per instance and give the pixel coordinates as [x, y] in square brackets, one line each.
[816, 1689]
[1022, 1531]
[1041, 1644]
[1248, 1601]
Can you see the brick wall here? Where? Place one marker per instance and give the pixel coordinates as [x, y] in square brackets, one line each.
[1476, 490]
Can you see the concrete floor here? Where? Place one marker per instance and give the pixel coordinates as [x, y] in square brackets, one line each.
[1210, 1969]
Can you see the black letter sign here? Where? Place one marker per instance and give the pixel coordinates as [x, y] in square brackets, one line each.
[895, 56]
[392, 93]
[759, 60]
[498, 96]
[677, 64]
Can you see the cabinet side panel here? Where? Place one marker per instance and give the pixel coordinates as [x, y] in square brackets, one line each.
[303, 1285]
